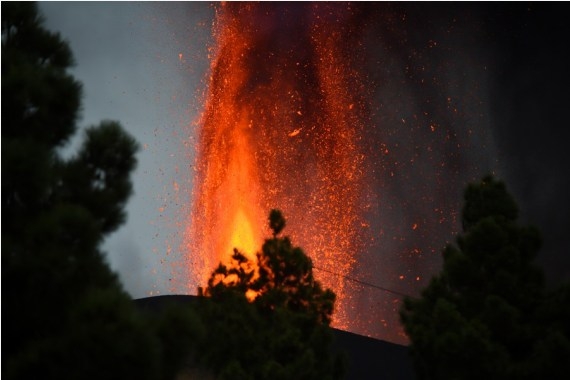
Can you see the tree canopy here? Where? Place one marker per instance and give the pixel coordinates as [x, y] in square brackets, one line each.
[65, 314]
[488, 313]
[270, 318]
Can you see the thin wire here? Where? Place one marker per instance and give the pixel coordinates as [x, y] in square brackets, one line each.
[364, 283]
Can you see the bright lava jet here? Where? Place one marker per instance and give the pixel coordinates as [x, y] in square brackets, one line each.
[281, 129]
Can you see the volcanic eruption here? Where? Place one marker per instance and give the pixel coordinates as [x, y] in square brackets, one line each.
[281, 129]
[359, 149]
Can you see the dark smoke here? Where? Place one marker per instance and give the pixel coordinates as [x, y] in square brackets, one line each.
[530, 118]
[459, 91]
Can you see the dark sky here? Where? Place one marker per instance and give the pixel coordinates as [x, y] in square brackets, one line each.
[531, 120]
[529, 116]
[482, 86]
[460, 90]
[495, 78]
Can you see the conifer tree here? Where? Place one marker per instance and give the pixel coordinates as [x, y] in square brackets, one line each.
[65, 314]
[488, 313]
[269, 319]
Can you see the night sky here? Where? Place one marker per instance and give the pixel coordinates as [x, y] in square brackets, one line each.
[529, 112]
[482, 86]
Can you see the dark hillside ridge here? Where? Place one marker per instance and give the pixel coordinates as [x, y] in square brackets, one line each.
[368, 358]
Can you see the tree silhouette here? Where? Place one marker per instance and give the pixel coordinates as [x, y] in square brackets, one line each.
[65, 314]
[269, 319]
[488, 314]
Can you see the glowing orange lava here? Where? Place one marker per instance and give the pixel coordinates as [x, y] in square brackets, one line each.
[281, 129]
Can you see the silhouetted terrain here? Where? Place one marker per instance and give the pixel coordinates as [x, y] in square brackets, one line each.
[367, 358]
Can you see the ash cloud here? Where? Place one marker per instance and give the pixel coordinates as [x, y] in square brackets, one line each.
[458, 91]
[530, 119]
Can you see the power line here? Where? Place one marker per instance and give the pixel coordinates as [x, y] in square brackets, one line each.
[364, 283]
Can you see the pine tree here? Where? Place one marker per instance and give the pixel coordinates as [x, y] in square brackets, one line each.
[269, 319]
[488, 314]
[65, 314]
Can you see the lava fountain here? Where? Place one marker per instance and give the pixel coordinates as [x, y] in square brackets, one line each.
[281, 128]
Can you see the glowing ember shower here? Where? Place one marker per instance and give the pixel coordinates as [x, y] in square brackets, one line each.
[281, 129]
